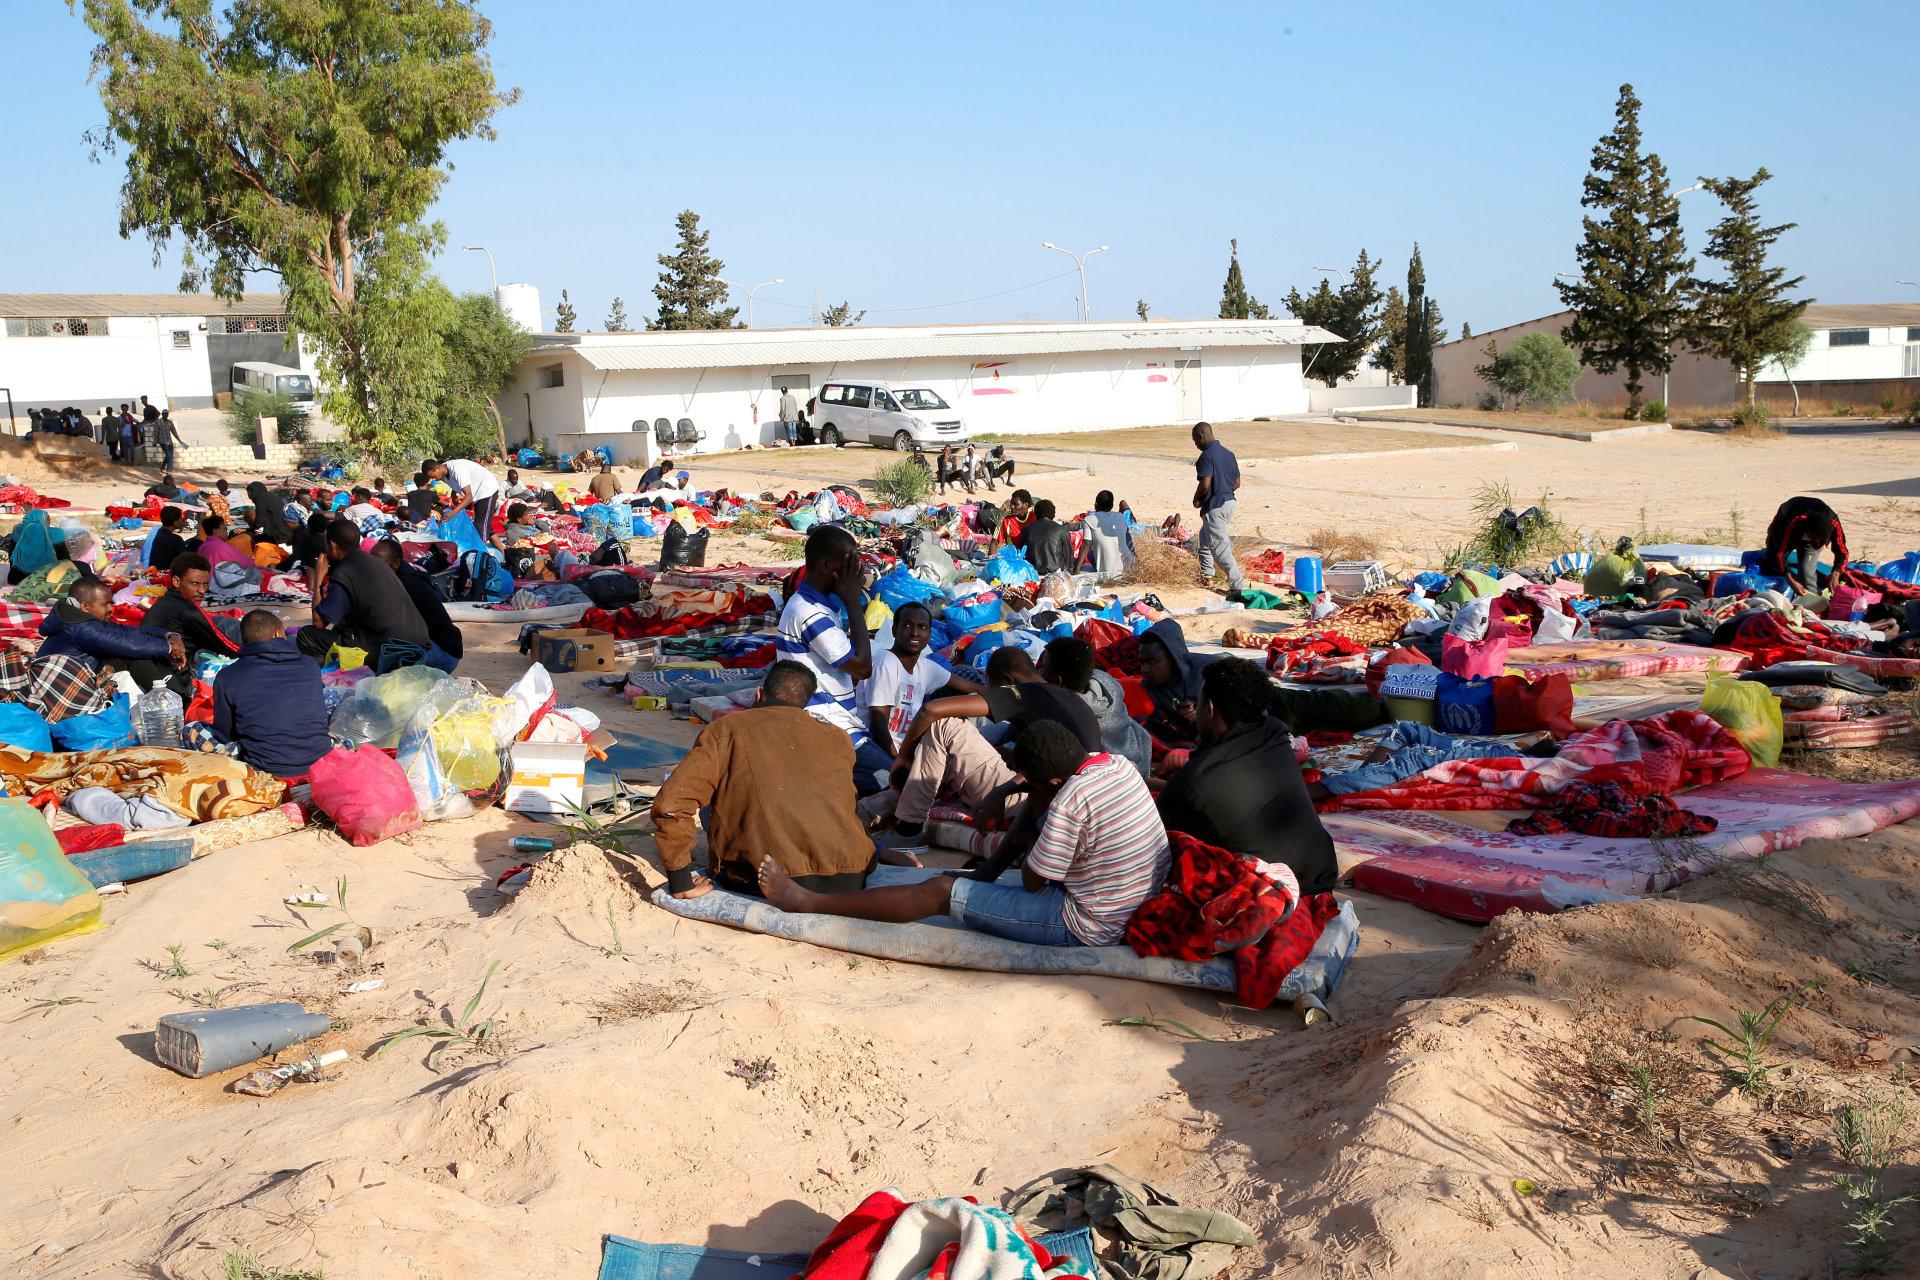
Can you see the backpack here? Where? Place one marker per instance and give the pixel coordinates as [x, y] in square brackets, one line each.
[610, 590]
[479, 578]
[612, 551]
[987, 517]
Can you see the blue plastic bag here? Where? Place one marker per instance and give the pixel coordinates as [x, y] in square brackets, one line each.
[1463, 706]
[983, 612]
[1007, 566]
[23, 727]
[1905, 569]
[897, 587]
[460, 531]
[101, 731]
[620, 524]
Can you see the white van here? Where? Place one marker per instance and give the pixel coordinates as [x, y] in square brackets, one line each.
[886, 415]
[277, 379]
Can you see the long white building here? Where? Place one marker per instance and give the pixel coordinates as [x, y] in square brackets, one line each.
[578, 390]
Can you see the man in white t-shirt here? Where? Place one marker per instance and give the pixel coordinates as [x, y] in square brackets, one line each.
[823, 627]
[902, 676]
[474, 489]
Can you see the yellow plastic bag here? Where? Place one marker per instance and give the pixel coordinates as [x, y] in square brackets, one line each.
[42, 896]
[346, 657]
[1750, 712]
[877, 614]
[465, 742]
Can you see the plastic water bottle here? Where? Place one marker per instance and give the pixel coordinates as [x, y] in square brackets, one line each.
[160, 717]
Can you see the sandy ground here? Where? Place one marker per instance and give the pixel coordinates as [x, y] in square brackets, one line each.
[1389, 1145]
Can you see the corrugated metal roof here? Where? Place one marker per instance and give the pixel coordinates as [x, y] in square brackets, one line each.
[756, 348]
[1860, 315]
[23, 306]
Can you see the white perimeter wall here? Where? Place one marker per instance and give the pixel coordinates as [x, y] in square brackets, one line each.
[1086, 391]
[134, 358]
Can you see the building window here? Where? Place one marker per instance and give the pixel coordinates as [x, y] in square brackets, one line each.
[16, 328]
[1913, 333]
[1847, 337]
[790, 381]
[56, 327]
[182, 340]
[553, 375]
[246, 324]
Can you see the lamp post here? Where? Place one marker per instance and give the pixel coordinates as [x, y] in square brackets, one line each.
[750, 292]
[480, 248]
[1335, 271]
[1911, 284]
[1079, 261]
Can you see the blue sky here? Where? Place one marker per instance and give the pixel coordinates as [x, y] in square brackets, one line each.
[902, 156]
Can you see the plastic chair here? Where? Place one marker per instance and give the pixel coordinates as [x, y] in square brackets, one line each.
[663, 434]
[684, 432]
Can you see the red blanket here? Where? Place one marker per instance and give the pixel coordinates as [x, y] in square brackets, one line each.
[624, 624]
[1217, 902]
[1656, 756]
[22, 495]
[1766, 638]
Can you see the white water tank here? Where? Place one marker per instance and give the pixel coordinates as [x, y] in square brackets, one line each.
[520, 303]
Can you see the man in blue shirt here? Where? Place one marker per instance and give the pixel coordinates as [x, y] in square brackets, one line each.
[1219, 480]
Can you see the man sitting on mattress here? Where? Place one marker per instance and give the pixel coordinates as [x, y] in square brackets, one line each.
[1101, 852]
[1241, 790]
[776, 784]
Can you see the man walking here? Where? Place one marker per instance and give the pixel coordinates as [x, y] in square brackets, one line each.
[789, 414]
[167, 435]
[1219, 479]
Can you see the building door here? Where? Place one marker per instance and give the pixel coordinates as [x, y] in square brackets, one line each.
[1186, 390]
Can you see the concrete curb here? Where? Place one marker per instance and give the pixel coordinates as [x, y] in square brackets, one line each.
[1491, 446]
[1567, 433]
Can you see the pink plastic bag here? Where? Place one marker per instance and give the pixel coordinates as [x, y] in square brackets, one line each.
[1473, 659]
[1848, 598]
[366, 794]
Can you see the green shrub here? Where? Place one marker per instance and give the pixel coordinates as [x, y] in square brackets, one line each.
[1538, 369]
[1653, 411]
[1886, 406]
[249, 405]
[903, 483]
[1491, 403]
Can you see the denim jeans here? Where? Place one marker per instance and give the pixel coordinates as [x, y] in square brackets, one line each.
[871, 765]
[1413, 748]
[1005, 909]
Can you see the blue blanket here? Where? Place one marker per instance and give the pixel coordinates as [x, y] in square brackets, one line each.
[624, 1259]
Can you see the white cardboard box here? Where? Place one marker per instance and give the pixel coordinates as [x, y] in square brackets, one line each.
[547, 777]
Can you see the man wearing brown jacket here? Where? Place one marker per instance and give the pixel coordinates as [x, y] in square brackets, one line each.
[776, 783]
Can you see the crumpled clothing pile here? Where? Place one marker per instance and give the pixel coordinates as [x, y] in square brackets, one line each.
[1608, 809]
[1323, 656]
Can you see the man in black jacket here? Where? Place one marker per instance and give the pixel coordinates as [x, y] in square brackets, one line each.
[448, 647]
[1048, 545]
[82, 626]
[270, 702]
[359, 603]
[1241, 790]
[180, 612]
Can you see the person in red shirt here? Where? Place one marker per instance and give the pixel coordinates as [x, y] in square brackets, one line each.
[1014, 523]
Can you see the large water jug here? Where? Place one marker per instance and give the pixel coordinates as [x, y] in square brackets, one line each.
[1306, 575]
[158, 718]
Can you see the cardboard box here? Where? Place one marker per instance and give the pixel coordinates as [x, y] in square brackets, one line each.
[574, 649]
[547, 777]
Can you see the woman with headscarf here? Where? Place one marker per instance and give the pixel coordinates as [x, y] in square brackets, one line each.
[269, 518]
[1801, 529]
[30, 547]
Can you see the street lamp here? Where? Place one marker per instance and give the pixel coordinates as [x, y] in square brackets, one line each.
[480, 248]
[750, 292]
[1911, 284]
[1334, 271]
[1080, 261]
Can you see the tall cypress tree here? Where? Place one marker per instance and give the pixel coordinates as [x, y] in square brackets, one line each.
[690, 289]
[1390, 353]
[1630, 302]
[1745, 318]
[564, 315]
[1416, 356]
[617, 321]
[1235, 302]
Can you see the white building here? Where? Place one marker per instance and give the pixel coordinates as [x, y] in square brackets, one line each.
[94, 349]
[578, 390]
[1856, 343]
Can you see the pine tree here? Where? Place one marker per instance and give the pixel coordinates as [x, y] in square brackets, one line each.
[1745, 318]
[1630, 301]
[1390, 352]
[1466, 331]
[1140, 308]
[1352, 312]
[564, 315]
[841, 315]
[1417, 350]
[690, 289]
[617, 317]
[1235, 302]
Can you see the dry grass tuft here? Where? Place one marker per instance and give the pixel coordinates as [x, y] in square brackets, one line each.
[754, 520]
[1156, 564]
[1752, 430]
[1343, 544]
[647, 1000]
[1655, 948]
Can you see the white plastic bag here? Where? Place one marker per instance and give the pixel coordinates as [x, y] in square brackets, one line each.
[534, 693]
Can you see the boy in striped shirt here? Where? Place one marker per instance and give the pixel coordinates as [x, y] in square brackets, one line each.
[840, 654]
[1102, 851]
